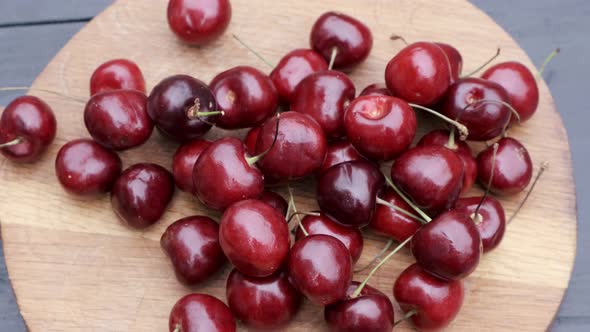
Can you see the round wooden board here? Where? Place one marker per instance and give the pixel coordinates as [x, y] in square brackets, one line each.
[74, 267]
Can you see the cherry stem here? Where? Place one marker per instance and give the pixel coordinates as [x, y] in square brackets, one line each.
[333, 57]
[546, 62]
[253, 51]
[359, 289]
[384, 250]
[14, 142]
[451, 142]
[407, 200]
[253, 160]
[497, 102]
[449, 66]
[475, 215]
[27, 88]
[178, 328]
[544, 166]
[295, 212]
[397, 208]
[464, 132]
[498, 51]
[395, 37]
[406, 317]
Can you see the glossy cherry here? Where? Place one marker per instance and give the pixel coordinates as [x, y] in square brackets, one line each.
[85, 168]
[393, 223]
[201, 312]
[436, 302]
[27, 128]
[490, 219]
[267, 303]
[199, 22]
[117, 74]
[192, 244]
[513, 167]
[251, 139]
[293, 68]
[141, 194]
[376, 89]
[325, 96]
[254, 237]
[275, 200]
[455, 59]
[246, 96]
[339, 151]
[184, 161]
[380, 127]
[351, 39]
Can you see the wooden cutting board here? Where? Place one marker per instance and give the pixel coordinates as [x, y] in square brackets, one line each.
[74, 267]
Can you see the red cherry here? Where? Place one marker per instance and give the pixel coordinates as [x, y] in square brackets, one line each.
[351, 38]
[262, 303]
[251, 139]
[419, 73]
[351, 237]
[184, 161]
[490, 219]
[254, 237]
[141, 194]
[293, 68]
[192, 244]
[246, 96]
[275, 200]
[392, 223]
[199, 22]
[513, 168]
[338, 152]
[376, 89]
[455, 59]
[320, 267]
[436, 302]
[519, 83]
[201, 312]
[27, 128]
[118, 74]
[380, 127]
[84, 168]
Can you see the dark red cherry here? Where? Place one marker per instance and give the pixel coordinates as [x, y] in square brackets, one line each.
[184, 161]
[275, 200]
[325, 96]
[175, 105]
[348, 192]
[351, 38]
[376, 89]
[222, 175]
[392, 223]
[118, 74]
[251, 139]
[484, 120]
[198, 22]
[431, 176]
[380, 127]
[320, 267]
[293, 68]
[338, 152]
[27, 128]
[118, 120]
[351, 237]
[254, 237]
[455, 59]
[370, 311]
[141, 194]
[419, 73]
[490, 219]
[246, 96]
[267, 303]
[85, 168]
[449, 246]
[513, 168]
[201, 312]
[192, 244]
[436, 302]
[300, 147]
[519, 83]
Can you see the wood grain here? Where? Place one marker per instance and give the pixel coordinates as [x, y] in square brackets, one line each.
[75, 267]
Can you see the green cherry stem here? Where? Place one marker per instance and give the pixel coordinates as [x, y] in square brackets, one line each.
[295, 212]
[253, 160]
[462, 129]
[14, 142]
[383, 251]
[475, 216]
[544, 166]
[407, 200]
[451, 142]
[398, 209]
[407, 316]
[270, 65]
[498, 51]
[333, 57]
[546, 62]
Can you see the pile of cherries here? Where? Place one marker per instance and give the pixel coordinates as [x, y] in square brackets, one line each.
[325, 131]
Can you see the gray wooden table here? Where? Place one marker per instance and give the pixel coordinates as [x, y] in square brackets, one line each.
[32, 31]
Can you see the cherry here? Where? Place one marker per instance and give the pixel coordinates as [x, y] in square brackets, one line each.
[198, 22]
[267, 303]
[513, 168]
[27, 128]
[376, 89]
[293, 68]
[519, 83]
[320, 267]
[141, 194]
[85, 168]
[254, 237]
[380, 127]
[251, 139]
[192, 244]
[455, 60]
[300, 147]
[391, 222]
[432, 176]
[201, 312]
[432, 302]
[184, 161]
[490, 219]
[275, 200]
[348, 192]
[181, 107]
[351, 237]
[349, 38]
[338, 152]
[117, 74]
[246, 96]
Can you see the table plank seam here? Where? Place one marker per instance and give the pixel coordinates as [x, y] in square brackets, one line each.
[45, 22]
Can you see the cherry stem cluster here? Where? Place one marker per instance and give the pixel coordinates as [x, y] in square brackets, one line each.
[407, 200]
[28, 88]
[464, 132]
[14, 142]
[498, 51]
[544, 166]
[270, 65]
